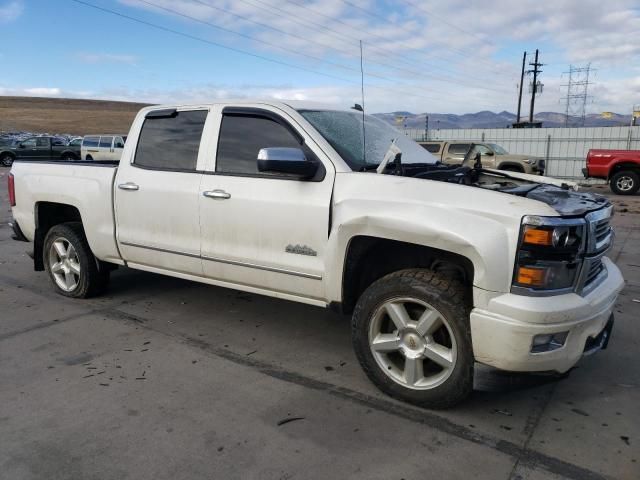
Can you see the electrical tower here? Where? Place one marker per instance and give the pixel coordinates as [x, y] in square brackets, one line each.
[577, 95]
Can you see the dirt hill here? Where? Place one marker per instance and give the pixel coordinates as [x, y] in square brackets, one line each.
[65, 115]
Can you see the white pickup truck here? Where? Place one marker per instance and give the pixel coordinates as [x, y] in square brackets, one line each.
[439, 266]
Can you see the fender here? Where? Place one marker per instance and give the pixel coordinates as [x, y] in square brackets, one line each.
[474, 223]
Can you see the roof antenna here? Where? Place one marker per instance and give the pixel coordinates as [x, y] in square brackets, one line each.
[364, 142]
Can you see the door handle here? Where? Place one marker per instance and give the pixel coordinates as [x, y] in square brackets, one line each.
[217, 194]
[128, 186]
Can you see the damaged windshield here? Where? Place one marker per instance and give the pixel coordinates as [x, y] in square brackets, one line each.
[343, 130]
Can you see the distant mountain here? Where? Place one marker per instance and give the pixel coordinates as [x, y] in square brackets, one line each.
[487, 119]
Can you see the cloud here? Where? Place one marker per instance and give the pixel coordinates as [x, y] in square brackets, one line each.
[32, 91]
[95, 58]
[10, 11]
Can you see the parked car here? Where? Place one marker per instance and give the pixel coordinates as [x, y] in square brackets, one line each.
[493, 156]
[103, 147]
[440, 266]
[76, 143]
[621, 168]
[38, 148]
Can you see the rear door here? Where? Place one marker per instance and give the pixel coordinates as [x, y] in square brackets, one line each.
[264, 230]
[43, 148]
[89, 147]
[27, 149]
[455, 152]
[118, 146]
[157, 193]
[104, 148]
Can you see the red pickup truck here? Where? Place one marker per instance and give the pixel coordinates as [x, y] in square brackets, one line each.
[620, 167]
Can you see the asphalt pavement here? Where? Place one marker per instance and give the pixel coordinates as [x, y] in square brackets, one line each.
[167, 379]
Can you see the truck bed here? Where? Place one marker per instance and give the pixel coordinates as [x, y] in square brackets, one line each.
[87, 186]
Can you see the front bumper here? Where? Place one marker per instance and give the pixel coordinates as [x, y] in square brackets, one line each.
[502, 334]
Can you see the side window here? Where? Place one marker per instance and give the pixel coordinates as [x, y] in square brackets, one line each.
[242, 137]
[42, 142]
[171, 143]
[31, 143]
[431, 147]
[105, 142]
[119, 143]
[90, 142]
[459, 148]
[482, 149]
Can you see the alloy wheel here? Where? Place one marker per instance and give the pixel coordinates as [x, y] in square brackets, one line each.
[64, 264]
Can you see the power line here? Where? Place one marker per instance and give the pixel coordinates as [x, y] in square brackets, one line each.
[437, 78]
[204, 22]
[429, 53]
[405, 59]
[241, 51]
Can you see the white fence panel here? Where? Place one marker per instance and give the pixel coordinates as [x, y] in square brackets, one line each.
[565, 149]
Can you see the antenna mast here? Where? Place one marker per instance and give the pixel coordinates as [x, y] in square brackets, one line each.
[364, 138]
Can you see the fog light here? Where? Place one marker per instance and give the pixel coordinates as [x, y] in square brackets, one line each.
[548, 342]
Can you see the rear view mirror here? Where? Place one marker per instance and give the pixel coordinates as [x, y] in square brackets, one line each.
[290, 161]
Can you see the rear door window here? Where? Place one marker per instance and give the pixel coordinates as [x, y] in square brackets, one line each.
[42, 142]
[431, 147]
[90, 141]
[171, 143]
[459, 148]
[105, 142]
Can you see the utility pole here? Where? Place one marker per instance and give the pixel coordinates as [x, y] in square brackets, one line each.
[426, 127]
[577, 97]
[536, 70]
[524, 60]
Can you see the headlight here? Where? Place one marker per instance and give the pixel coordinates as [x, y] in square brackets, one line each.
[530, 161]
[549, 255]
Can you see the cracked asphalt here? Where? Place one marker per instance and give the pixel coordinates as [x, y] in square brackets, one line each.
[166, 379]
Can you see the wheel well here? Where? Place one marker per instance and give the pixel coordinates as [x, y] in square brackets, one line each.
[618, 167]
[514, 167]
[370, 258]
[10, 154]
[48, 215]
[89, 157]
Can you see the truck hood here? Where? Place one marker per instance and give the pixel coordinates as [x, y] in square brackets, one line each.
[565, 201]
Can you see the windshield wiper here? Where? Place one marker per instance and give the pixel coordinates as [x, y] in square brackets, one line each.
[394, 153]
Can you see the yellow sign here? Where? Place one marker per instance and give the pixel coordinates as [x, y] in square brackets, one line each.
[399, 120]
[636, 114]
[607, 114]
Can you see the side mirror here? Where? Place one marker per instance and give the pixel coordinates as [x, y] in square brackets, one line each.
[489, 153]
[291, 161]
[21, 145]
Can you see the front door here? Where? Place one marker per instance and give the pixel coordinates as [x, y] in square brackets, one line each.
[264, 230]
[28, 149]
[156, 194]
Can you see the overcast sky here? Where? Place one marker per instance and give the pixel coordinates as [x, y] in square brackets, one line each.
[419, 55]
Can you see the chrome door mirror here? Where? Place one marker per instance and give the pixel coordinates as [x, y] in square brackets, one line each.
[291, 161]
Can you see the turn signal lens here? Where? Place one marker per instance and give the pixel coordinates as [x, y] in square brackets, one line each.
[534, 277]
[537, 236]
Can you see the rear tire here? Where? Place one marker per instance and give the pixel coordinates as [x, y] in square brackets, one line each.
[6, 160]
[70, 264]
[625, 182]
[411, 334]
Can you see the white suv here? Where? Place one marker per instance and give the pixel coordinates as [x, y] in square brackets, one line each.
[102, 147]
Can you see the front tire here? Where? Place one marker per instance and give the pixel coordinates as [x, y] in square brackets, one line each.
[6, 160]
[410, 332]
[70, 264]
[625, 182]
